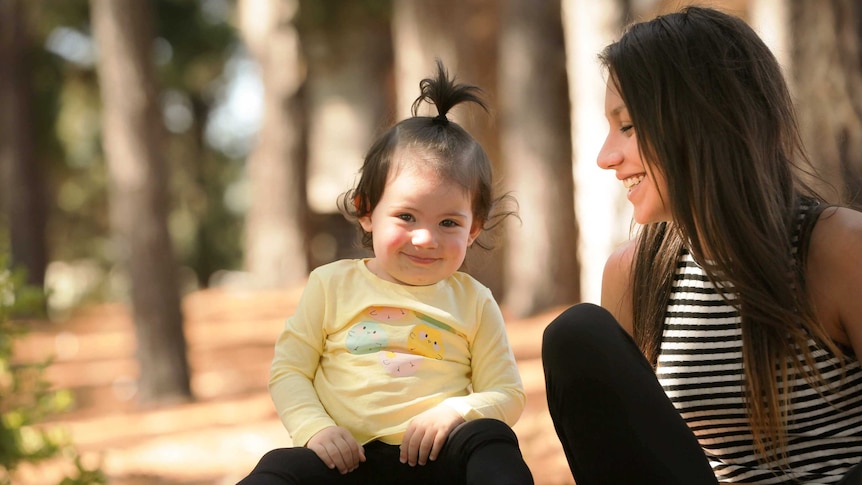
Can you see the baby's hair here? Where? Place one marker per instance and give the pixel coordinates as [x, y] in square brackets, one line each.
[447, 149]
[444, 94]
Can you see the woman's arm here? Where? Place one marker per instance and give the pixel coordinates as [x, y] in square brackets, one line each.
[616, 284]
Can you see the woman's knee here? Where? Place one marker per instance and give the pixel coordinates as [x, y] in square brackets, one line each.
[576, 331]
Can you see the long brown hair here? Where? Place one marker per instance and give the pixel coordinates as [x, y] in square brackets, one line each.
[713, 115]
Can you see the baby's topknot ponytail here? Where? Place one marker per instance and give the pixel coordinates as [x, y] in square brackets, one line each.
[443, 93]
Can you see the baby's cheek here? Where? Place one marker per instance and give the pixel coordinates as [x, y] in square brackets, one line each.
[396, 237]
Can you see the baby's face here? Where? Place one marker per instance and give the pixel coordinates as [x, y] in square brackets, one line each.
[421, 228]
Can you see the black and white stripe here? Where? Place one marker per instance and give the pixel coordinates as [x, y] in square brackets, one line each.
[700, 367]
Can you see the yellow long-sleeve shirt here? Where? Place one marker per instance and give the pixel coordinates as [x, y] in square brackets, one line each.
[369, 355]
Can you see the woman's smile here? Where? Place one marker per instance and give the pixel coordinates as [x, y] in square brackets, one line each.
[632, 182]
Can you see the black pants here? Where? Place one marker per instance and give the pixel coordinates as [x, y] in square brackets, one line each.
[614, 420]
[484, 451]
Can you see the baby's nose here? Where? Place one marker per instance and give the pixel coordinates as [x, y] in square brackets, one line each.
[423, 237]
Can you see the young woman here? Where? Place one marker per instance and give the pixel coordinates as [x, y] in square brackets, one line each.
[727, 344]
[396, 369]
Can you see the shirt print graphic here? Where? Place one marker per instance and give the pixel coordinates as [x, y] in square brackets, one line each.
[398, 357]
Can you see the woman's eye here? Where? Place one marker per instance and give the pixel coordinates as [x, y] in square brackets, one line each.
[626, 128]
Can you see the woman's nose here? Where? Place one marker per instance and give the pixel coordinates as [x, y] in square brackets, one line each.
[609, 156]
[423, 237]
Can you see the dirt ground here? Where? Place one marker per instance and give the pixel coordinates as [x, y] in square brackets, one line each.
[218, 438]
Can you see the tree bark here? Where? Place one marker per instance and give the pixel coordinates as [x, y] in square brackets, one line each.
[349, 54]
[600, 204]
[424, 30]
[276, 223]
[827, 80]
[421, 32]
[537, 154]
[134, 146]
[23, 198]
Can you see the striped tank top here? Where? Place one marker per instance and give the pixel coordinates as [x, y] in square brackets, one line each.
[700, 368]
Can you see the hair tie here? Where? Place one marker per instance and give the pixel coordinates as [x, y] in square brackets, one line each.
[440, 119]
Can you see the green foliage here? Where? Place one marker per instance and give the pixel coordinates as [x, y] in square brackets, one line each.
[328, 14]
[26, 399]
[195, 42]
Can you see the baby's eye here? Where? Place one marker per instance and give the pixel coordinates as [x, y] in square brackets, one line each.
[406, 217]
[449, 223]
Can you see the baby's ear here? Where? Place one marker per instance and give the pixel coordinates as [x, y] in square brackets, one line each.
[365, 222]
[364, 214]
[474, 232]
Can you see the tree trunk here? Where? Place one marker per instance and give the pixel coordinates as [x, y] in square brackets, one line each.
[827, 80]
[134, 146]
[349, 54]
[206, 183]
[770, 19]
[23, 199]
[600, 202]
[537, 153]
[424, 30]
[275, 232]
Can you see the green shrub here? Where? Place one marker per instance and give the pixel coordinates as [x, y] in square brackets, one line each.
[26, 398]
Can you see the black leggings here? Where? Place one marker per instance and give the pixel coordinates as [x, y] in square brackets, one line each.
[484, 451]
[613, 418]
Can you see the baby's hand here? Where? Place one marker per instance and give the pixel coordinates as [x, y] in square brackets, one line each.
[337, 448]
[427, 433]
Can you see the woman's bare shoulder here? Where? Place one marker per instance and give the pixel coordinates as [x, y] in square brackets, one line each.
[834, 274]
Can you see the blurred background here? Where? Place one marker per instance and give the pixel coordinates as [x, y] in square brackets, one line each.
[169, 164]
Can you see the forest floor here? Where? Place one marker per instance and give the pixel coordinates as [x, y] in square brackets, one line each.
[219, 437]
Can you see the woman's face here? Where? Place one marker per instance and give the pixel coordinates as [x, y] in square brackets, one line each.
[647, 189]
